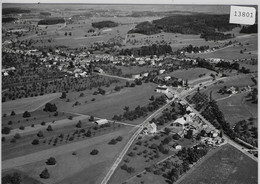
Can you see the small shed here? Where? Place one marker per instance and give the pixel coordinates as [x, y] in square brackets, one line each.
[101, 121]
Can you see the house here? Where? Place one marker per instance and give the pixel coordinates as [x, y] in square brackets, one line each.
[189, 109]
[161, 71]
[101, 121]
[166, 78]
[180, 122]
[169, 96]
[151, 128]
[178, 147]
[99, 70]
[162, 89]
[136, 76]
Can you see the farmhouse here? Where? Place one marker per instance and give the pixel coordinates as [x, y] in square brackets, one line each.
[151, 128]
[99, 70]
[136, 76]
[101, 121]
[162, 89]
[180, 122]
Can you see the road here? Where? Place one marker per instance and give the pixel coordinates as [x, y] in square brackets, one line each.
[231, 142]
[130, 142]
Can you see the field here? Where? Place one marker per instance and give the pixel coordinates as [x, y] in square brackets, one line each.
[130, 70]
[237, 108]
[228, 165]
[233, 52]
[239, 81]
[70, 167]
[27, 104]
[106, 106]
[192, 74]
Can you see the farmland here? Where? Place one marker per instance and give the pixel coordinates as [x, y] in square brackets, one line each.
[106, 106]
[227, 165]
[27, 104]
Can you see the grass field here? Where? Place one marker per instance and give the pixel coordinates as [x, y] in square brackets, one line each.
[237, 108]
[27, 104]
[239, 81]
[70, 168]
[106, 106]
[233, 52]
[228, 165]
[192, 74]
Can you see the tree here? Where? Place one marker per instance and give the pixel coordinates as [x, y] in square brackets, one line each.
[49, 128]
[12, 179]
[50, 107]
[91, 118]
[70, 34]
[13, 113]
[112, 141]
[40, 134]
[26, 114]
[45, 174]
[94, 152]
[88, 134]
[78, 125]
[17, 136]
[119, 138]
[6, 130]
[63, 95]
[51, 161]
[66, 34]
[35, 142]
[152, 98]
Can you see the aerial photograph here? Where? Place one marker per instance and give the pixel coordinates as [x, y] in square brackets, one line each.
[128, 94]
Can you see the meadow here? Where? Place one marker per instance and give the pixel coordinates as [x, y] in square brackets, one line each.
[106, 106]
[227, 165]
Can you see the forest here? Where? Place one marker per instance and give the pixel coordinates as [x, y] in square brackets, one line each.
[187, 24]
[8, 19]
[147, 50]
[103, 24]
[249, 29]
[51, 21]
[7, 11]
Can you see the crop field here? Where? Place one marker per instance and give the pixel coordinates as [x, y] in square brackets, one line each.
[70, 168]
[228, 165]
[237, 108]
[190, 74]
[106, 106]
[27, 104]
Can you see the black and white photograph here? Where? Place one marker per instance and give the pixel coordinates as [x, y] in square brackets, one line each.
[129, 93]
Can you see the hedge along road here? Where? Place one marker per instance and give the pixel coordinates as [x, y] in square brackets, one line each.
[130, 142]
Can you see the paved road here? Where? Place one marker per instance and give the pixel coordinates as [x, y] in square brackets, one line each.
[130, 142]
[231, 142]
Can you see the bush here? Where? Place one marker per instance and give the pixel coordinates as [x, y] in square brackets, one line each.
[13, 113]
[51, 161]
[3, 139]
[13, 140]
[91, 118]
[56, 114]
[6, 130]
[113, 141]
[49, 128]
[119, 138]
[32, 125]
[12, 179]
[10, 122]
[17, 136]
[74, 153]
[35, 142]
[63, 95]
[43, 123]
[45, 174]
[70, 117]
[26, 114]
[78, 125]
[94, 152]
[21, 127]
[50, 107]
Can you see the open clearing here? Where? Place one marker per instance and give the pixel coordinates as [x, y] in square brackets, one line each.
[69, 168]
[237, 108]
[106, 106]
[228, 165]
[27, 104]
[192, 74]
